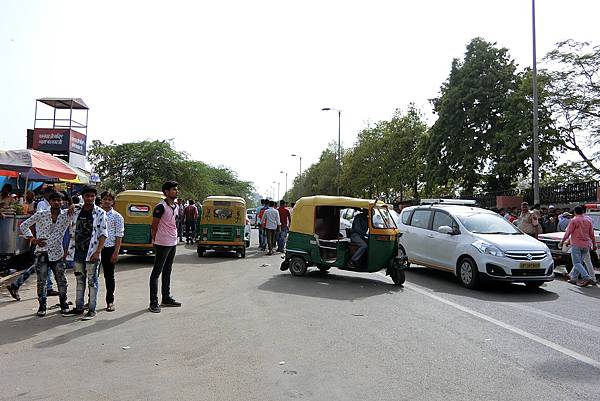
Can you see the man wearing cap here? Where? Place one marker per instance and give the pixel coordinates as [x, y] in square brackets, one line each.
[549, 220]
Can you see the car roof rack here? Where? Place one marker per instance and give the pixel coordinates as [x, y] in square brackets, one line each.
[440, 201]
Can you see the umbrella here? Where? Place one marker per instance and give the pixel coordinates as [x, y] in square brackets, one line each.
[35, 165]
[83, 177]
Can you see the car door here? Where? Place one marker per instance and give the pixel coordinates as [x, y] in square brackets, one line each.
[418, 236]
[443, 249]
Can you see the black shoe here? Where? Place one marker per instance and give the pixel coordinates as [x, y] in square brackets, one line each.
[14, 292]
[73, 312]
[89, 316]
[52, 293]
[170, 302]
[154, 308]
[41, 311]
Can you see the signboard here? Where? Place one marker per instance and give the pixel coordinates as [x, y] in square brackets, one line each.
[59, 140]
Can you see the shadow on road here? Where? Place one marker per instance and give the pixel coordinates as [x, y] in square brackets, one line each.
[329, 285]
[24, 327]
[445, 282]
[96, 326]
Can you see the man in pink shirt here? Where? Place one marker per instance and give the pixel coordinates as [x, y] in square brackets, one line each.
[581, 233]
[164, 238]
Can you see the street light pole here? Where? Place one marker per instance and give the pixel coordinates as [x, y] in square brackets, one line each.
[300, 157]
[339, 149]
[284, 172]
[536, 150]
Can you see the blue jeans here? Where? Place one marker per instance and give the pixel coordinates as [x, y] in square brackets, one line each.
[281, 236]
[86, 273]
[262, 238]
[43, 267]
[23, 277]
[577, 256]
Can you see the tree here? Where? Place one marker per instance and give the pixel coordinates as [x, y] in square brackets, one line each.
[479, 139]
[574, 96]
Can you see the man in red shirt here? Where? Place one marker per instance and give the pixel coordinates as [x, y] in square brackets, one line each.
[286, 219]
[581, 233]
[191, 215]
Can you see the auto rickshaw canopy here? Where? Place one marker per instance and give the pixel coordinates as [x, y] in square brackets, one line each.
[303, 218]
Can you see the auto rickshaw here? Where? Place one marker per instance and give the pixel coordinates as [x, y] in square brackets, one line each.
[222, 225]
[315, 239]
[136, 207]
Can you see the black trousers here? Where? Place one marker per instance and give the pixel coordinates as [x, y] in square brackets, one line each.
[108, 269]
[163, 264]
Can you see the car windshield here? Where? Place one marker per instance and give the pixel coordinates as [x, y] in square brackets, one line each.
[487, 223]
[382, 218]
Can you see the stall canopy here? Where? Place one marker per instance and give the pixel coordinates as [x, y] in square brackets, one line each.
[35, 165]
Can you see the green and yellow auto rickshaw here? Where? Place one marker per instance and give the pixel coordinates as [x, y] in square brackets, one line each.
[136, 207]
[316, 238]
[222, 225]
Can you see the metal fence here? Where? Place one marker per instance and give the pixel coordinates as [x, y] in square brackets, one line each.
[563, 194]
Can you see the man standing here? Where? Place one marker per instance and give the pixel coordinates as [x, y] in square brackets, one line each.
[191, 215]
[528, 221]
[271, 224]
[164, 238]
[50, 227]
[285, 219]
[581, 233]
[115, 229]
[88, 234]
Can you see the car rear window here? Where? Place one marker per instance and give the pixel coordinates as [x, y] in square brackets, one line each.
[420, 218]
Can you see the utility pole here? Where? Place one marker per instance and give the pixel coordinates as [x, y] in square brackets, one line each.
[536, 151]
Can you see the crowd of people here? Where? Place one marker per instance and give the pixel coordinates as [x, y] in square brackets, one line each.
[273, 224]
[85, 233]
[537, 220]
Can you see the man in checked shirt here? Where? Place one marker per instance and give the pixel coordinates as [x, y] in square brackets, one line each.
[50, 227]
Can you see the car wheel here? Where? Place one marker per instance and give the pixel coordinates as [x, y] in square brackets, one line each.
[534, 284]
[297, 266]
[398, 276]
[467, 273]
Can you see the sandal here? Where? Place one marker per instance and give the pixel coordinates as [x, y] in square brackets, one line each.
[110, 308]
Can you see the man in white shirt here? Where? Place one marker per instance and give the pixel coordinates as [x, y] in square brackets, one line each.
[115, 226]
[50, 227]
[272, 223]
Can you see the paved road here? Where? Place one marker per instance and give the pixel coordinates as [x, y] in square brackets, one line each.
[250, 332]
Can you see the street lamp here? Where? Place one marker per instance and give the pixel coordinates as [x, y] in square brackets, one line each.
[284, 172]
[293, 155]
[339, 152]
[536, 152]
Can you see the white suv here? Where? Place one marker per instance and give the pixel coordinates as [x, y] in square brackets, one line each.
[473, 243]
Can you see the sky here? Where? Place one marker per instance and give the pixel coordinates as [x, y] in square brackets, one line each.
[242, 83]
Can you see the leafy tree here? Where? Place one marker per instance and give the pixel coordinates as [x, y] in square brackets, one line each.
[471, 113]
[574, 96]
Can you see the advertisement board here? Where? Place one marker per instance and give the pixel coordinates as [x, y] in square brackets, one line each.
[60, 140]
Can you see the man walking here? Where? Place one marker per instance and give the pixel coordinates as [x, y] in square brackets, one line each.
[50, 227]
[191, 215]
[164, 238]
[581, 233]
[88, 234]
[285, 220]
[262, 232]
[271, 224]
[115, 229]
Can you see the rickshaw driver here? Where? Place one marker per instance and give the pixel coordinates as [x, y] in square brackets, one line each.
[360, 226]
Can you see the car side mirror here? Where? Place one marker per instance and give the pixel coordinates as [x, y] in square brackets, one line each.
[446, 230]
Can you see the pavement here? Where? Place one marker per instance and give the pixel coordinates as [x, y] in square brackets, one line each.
[248, 331]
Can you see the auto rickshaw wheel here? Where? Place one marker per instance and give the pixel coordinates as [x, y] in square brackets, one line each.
[398, 276]
[243, 253]
[324, 268]
[297, 266]
[200, 251]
